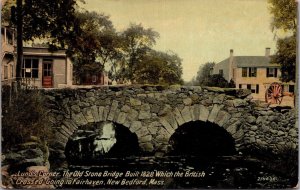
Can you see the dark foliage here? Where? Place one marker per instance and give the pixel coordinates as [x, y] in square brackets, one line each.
[218, 81]
[285, 18]
[159, 68]
[206, 78]
[286, 57]
[24, 116]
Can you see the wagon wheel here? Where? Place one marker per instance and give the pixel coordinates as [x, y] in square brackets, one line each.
[274, 93]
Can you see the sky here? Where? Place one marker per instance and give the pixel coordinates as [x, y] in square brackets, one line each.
[199, 31]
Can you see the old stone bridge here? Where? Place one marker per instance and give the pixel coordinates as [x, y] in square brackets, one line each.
[154, 113]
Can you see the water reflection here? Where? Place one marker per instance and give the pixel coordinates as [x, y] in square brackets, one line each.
[90, 144]
[105, 140]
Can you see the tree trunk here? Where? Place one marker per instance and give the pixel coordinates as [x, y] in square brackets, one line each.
[19, 40]
[296, 90]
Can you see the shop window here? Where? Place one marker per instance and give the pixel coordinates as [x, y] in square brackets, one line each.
[30, 68]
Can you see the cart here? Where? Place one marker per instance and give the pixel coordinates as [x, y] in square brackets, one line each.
[275, 93]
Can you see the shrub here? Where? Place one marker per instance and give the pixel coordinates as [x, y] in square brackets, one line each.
[23, 116]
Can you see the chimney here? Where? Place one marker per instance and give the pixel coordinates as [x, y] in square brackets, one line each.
[231, 52]
[267, 54]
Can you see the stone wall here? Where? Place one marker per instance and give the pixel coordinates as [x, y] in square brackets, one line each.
[31, 156]
[154, 113]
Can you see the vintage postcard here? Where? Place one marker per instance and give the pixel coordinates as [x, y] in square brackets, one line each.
[149, 94]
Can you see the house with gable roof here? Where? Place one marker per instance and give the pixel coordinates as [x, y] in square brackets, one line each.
[255, 73]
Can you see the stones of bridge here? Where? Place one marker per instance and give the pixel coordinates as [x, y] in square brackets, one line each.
[214, 113]
[126, 115]
[154, 115]
[272, 129]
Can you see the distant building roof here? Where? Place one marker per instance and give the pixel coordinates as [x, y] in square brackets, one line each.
[250, 61]
[224, 61]
[253, 61]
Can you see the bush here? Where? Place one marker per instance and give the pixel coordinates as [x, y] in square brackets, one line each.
[218, 81]
[23, 116]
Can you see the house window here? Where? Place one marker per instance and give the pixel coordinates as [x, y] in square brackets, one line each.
[249, 86]
[253, 87]
[9, 38]
[5, 72]
[252, 71]
[221, 72]
[30, 68]
[271, 72]
[292, 88]
[240, 86]
[244, 72]
[12, 71]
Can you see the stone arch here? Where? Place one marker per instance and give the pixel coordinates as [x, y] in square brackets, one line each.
[198, 112]
[97, 141]
[198, 138]
[80, 117]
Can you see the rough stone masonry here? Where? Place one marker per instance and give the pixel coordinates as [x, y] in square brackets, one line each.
[153, 113]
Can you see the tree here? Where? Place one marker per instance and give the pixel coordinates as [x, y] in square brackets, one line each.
[204, 72]
[284, 15]
[286, 56]
[158, 67]
[172, 68]
[285, 18]
[94, 43]
[137, 41]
